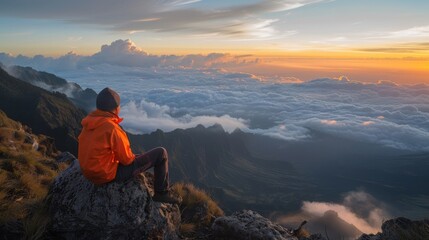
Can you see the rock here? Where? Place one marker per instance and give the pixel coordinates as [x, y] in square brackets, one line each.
[370, 237]
[316, 236]
[247, 224]
[196, 213]
[117, 210]
[401, 228]
[65, 157]
[12, 230]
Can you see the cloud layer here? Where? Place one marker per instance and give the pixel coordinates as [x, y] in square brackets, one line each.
[160, 16]
[392, 115]
[147, 116]
[170, 92]
[358, 208]
[126, 53]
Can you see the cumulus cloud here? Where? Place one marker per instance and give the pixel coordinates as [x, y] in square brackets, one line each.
[359, 208]
[126, 53]
[149, 117]
[159, 16]
[40, 62]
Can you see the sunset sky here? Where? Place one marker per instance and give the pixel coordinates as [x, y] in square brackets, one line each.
[365, 40]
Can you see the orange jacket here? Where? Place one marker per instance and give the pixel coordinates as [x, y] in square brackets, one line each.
[102, 146]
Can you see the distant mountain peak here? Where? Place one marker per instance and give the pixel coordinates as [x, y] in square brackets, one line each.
[84, 99]
[47, 113]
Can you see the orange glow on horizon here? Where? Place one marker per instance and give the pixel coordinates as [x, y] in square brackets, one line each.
[410, 70]
[399, 67]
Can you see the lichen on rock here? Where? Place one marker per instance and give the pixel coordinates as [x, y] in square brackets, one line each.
[248, 224]
[401, 228]
[117, 210]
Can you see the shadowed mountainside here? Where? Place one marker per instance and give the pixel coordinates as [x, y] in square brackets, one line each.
[46, 113]
[220, 163]
[84, 99]
[265, 174]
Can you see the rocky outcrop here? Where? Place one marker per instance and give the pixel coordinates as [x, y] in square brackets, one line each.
[247, 224]
[401, 228]
[82, 210]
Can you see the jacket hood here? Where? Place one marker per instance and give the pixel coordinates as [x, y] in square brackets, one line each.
[98, 118]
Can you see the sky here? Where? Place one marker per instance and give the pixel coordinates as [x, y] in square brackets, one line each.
[365, 40]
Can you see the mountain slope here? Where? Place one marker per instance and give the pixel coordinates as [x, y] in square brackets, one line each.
[84, 99]
[220, 162]
[244, 170]
[46, 113]
[27, 167]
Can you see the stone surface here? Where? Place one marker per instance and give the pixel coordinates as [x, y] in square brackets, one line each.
[247, 224]
[65, 157]
[317, 236]
[82, 210]
[401, 228]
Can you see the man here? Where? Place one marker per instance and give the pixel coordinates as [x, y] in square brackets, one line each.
[105, 154]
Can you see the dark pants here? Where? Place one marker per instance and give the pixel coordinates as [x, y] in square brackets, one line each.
[156, 158]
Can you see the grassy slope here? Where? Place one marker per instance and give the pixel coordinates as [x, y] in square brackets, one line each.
[27, 168]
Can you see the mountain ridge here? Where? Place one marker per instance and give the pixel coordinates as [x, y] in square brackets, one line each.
[220, 162]
[84, 99]
[52, 114]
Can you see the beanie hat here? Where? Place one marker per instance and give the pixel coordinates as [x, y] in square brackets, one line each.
[108, 100]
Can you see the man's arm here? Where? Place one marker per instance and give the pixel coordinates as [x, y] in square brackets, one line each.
[121, 147]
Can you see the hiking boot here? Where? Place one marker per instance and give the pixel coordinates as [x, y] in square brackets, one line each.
[166, 197]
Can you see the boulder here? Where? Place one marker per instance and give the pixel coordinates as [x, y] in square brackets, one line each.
[316, 236]
[401, 228]
[247, 224]
[117, 210]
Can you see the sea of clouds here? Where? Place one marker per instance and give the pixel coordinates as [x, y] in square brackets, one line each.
[359, 208]
[168, 92]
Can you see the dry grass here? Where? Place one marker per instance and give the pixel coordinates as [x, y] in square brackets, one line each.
[195, 199]
[6, 133]
[22, 182]
[25, 177]
[187, 228]
[33, 185]
[25, 174]
[198, 210]
[20, 135]
[7, 122]
[3, 177]
[35, 224]
[302, 233]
